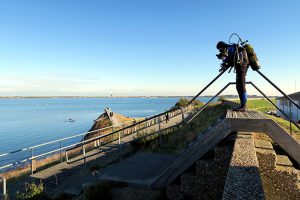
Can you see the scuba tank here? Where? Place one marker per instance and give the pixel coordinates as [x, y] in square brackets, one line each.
[253, 61]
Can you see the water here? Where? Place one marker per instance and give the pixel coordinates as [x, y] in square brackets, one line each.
[30, 121]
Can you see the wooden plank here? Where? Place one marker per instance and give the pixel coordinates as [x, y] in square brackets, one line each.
[248, 125]
[194, 153]
[284, 140]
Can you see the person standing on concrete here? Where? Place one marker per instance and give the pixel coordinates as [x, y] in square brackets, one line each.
[234, 55]
[167, 117]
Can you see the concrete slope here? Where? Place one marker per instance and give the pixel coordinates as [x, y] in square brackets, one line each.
[203, 144]
[283, 139]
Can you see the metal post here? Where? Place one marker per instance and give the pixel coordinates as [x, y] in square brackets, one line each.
[83, 151]
[159, 131]
[120, 148]
[182, 114]
[32, 161]
[60, 144]
[4, 185]
[123, 129]
[290, 118]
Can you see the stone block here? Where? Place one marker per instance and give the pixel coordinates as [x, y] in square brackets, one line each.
[263, 144]
[174, 192]
[283, 160]
[266, 158]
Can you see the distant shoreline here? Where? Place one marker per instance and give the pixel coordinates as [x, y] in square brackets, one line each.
[112, 97]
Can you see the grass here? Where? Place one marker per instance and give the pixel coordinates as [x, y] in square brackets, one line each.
[175, 139]
[286, 125]
[262, 105]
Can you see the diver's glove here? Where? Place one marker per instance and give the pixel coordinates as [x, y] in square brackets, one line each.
[224, 66]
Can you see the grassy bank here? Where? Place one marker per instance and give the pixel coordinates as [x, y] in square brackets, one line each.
[262, 105]
[175, 139]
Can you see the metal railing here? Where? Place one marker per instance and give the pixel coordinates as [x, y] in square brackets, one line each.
[3, 180]
[156, 119]
[143, 124]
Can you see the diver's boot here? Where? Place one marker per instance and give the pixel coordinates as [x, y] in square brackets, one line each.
[241, 109]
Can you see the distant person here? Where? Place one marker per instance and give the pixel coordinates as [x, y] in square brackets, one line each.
[235, 56]
[167, 117]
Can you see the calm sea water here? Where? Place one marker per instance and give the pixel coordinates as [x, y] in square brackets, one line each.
[27, 122]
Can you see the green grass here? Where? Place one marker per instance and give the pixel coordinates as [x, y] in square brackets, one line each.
[262, 105]
[286, 125]
[175, 139]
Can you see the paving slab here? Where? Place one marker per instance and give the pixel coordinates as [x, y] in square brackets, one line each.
[243, 179]
[141, 169]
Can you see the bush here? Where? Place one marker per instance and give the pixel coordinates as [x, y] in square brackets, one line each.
[184, 102]
[102, 190]
[221, 98]
[33, 192]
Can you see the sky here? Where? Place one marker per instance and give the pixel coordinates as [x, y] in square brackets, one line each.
[141, 47]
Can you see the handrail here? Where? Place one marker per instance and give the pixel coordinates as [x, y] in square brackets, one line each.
[278, 89]
[203, 107]
[74, 144]
[209, 84]
[274, 104]
[62, 139]
[140, 122]
[3, 180]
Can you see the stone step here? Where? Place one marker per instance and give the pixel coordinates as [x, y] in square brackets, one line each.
[203, 167]
[192, 186]
[265, 154]
[174, 192]
[283, 160]
[263, 144]
[243, 178]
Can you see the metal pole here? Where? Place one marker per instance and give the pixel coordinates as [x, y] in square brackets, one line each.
[120, 148]
[60, 144]
[84, 159]
[217, 77]
[123, 129]
[4, 185]
[282, 111]
[159, 131]
[32, 160]
[290, 118]
[286, 96]
[182, 114]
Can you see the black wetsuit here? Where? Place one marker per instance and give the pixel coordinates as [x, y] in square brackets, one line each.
[241, 67]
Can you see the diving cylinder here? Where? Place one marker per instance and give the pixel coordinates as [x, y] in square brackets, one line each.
[253, 60]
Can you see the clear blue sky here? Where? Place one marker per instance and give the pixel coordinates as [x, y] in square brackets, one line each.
[140, 47]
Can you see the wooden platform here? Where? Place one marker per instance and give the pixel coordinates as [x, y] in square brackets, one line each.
[252, 121]
[244, 115]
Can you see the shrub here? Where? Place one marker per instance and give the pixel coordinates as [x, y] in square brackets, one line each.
[33, 192]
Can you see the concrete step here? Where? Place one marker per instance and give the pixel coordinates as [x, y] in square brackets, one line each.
[222, 153]
[265, 154]
[283, 160]
[174, 192]
[203, 167]
[193, 186]
[243, 178]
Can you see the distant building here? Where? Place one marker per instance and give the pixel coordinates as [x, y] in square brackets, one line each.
[285, 105]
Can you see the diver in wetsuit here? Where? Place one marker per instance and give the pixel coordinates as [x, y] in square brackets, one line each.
[234, 55]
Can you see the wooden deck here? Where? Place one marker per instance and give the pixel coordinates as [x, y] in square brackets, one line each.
[244, 115]
[252, 121]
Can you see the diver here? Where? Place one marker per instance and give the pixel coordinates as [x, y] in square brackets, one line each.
[235, 55]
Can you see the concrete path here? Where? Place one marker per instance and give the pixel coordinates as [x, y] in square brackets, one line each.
[243, 180]
[61, 177]
[141, 169]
